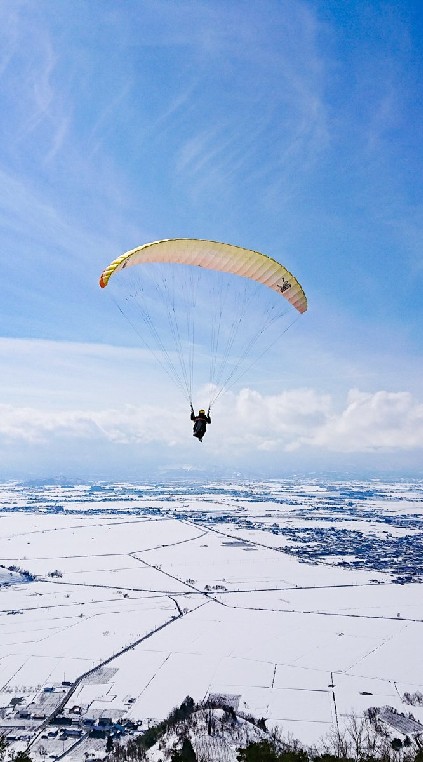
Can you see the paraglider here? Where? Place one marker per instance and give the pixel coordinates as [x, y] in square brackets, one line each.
[207, 311]
[200, 423]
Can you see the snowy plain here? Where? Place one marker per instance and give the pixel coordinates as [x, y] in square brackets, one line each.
[302, 598]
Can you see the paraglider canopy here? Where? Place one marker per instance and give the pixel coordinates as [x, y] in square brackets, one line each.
[194, 301]
[223, 257]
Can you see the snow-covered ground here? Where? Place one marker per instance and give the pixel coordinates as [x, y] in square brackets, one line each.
[129, 597]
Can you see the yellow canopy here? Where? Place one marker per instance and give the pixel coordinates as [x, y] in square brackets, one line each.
[212, 255]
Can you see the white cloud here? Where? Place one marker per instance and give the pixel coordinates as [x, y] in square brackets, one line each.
[369, 422]
[125, 425]
[303, 418]
[293, 420]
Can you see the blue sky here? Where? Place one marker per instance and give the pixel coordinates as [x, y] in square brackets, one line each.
[293, 128]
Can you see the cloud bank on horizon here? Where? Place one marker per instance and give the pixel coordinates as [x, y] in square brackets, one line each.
[293, 129]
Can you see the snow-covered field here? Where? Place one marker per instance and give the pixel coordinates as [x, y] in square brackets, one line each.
[303, 598]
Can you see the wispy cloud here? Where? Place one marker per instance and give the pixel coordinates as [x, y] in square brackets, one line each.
[107, 116]
[38, 84]
[9, 24]
[270, 123]
[36, 110]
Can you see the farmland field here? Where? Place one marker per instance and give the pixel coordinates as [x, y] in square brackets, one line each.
[117, 600]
